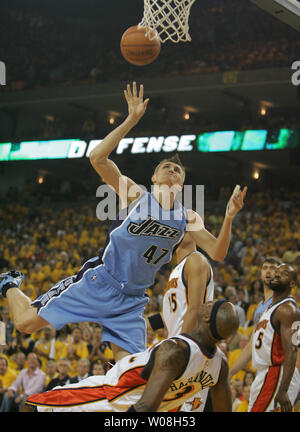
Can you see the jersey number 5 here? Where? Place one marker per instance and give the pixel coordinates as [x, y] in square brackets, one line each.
[151, 251]
[173, 302]
[259, 340]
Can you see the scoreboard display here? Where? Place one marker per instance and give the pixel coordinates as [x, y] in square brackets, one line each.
[222, 141]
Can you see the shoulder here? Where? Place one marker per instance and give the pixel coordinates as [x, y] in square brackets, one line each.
[197, 259]
[173, 350]
[287, 311]
[196, 263]
[174, 345]
[285, 315]
[129, 191]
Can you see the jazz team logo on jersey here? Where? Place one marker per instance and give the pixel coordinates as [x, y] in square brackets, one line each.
[152, 227]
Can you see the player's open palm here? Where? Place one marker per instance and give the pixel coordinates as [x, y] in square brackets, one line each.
[236, 201]
[135, 100]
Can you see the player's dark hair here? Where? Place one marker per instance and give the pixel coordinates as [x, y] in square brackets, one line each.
[272, 260]
[174, 159]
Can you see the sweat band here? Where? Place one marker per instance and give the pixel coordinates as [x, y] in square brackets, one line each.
[7, 286]
[156, 321]
[212, 322]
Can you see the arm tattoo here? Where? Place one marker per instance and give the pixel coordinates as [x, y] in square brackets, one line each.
[173, 357]
[141, 406]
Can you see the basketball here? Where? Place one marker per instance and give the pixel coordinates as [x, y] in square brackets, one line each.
[137, 48]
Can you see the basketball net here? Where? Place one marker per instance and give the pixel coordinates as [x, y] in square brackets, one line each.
[168, 18]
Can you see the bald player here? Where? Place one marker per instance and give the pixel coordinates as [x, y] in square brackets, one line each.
[267, 273]
[190, 284]
[275, 347]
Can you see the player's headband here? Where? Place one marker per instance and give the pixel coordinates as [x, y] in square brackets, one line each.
[212, 322]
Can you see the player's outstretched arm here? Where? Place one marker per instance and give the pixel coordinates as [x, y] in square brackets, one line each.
[196, 275]
[106, 168]
[243, 359]
[216, 248]
[170, 362]
[221, 393]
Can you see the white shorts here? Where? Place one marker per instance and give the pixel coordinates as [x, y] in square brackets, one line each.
[89, 395]
[265, 386]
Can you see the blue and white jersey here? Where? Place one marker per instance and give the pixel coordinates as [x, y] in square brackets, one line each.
[140, 242]
[261, 308]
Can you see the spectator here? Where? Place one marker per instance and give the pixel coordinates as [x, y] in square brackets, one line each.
[9, 326]
[247, 253]
[235, 400]
[97, 349]
[4, 264]
[248, 378]
[243, 406]
[98, 368]
[63, 378]
[31, 380]
[17, 362]
[291, 254]
[44, 346]
[241, 299]
[257, 298]
[51, 371]
[7, 377]
[77, 349]
[61, 343]
[231, 295]
[256, 287]
[238, 387]
[83, 367]
[21, 343]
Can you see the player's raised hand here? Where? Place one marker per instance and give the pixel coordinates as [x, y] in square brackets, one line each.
[236, 201]
[135, 100]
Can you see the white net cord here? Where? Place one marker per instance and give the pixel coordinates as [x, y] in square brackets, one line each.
[168, 18]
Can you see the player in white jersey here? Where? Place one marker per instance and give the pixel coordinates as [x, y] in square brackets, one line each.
[275, 347]
[190, 284]
[267, 273]
[160, 378]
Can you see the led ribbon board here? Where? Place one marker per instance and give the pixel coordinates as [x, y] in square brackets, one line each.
[206, 142]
